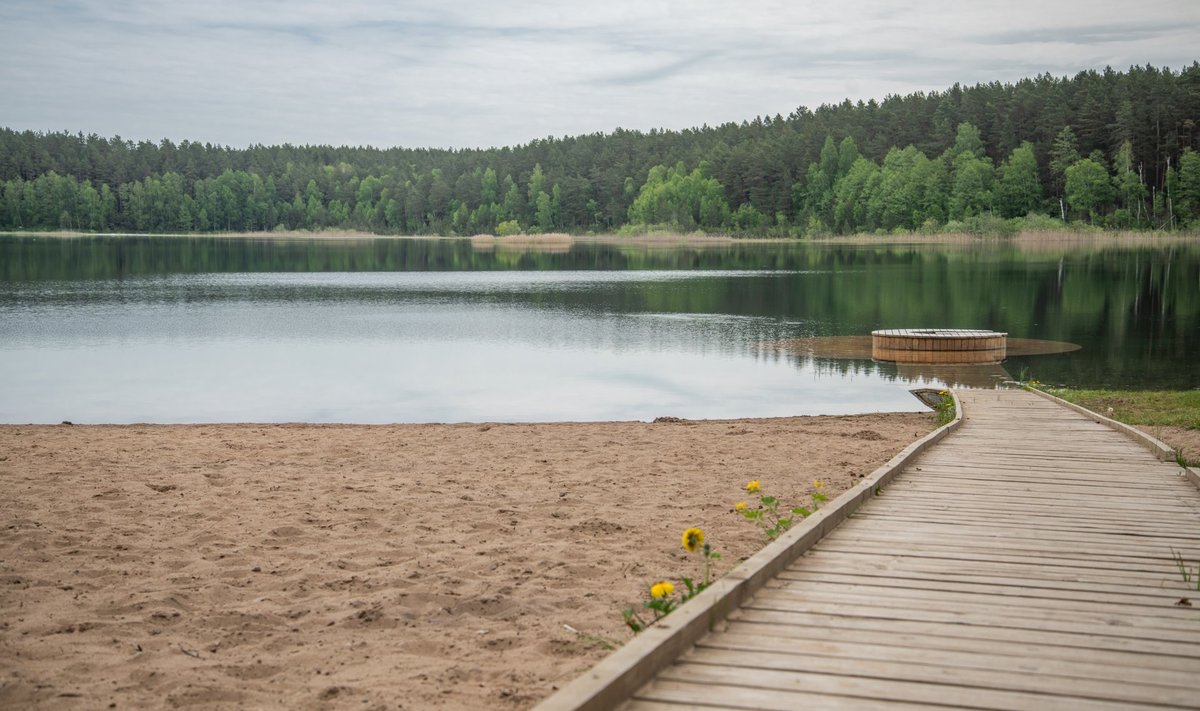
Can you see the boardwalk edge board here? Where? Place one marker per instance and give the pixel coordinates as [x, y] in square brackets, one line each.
[615, 678]
[1193, 475]
[1156, 446]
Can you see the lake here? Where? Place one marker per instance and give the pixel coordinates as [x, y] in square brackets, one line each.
[218, 329]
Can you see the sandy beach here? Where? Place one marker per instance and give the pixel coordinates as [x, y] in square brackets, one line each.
[368, 567]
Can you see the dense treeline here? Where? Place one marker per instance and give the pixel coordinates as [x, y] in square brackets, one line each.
[1112, 148]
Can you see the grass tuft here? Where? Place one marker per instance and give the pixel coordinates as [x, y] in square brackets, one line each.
[1154, 408]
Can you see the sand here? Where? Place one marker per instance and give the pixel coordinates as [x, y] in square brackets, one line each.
[1180, 439]
[368, 567]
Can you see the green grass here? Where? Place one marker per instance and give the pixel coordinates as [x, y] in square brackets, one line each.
[1151, 408]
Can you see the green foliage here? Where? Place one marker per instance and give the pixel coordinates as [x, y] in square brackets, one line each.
[898, 201]
[1088, 187]
[682, 200]
[1130, 191]
[1036, 222]
[1063, 154]
[543, 216]
[968, 143]
[990, 226]
[1187, 193]
[944, 412]
[814, 197]
[662, 597]
[747, 219]
[767, 515]
[1190, 577]
[1019, 191]
[903, 163]
[508, 228]
[971, 192]
[852, 197]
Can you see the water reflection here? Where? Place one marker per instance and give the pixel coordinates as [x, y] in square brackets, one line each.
[169, 329]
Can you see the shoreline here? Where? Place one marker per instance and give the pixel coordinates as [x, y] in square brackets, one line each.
[560, 240]
[314, 566]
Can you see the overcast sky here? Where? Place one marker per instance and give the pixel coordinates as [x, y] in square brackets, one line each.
[473, 73]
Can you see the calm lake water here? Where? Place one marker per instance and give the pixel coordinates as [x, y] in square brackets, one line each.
[197, 329]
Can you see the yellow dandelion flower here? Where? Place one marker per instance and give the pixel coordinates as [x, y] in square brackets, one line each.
[740, 506]
[818, 484]
[661, 590]
[693, 539]
[754, 487]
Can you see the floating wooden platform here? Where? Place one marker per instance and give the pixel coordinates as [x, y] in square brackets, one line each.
[1025, 562]
[938, 345]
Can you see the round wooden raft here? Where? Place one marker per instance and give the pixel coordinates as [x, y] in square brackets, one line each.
[938, 345]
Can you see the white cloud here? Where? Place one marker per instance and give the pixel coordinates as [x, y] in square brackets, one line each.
[472, 73]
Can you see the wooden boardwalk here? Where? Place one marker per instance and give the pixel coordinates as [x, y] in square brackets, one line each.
[1025, 562]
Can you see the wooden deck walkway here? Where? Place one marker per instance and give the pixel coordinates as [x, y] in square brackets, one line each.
[1025, 562]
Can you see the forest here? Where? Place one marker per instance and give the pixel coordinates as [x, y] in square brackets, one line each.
[1115, 149]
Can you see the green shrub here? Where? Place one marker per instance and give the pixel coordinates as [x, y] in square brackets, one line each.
[508, 228]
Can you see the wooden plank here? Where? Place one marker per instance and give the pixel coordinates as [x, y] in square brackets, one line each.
[1138, 481]
[978, 615]
[913, 542]
[985, 452]
[1120, 530]
[1185, 653]
[1146, 586]
[1102, 468]
[1042, 555]
[1103, 520]
[1117, 518]
[1169, 488]
[1011, 606]
[1062, 561]
[1004, 452]
[1018, 445]
[1085, 448]
[884, 689]
[1062, 659]
[1032, 575]
[1127, 473]
[1130, 472]
[721, 696]
[999, 529]
[897, 515]
[1018, 491]
[1124, 595]
[963, 486]
[831, 656]
[1006, 674]
[695, 698]
[1015, 498]
[1063, 558]
[923, 526]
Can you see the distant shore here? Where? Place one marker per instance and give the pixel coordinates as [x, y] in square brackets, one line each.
[559, 240]
[311, 566]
